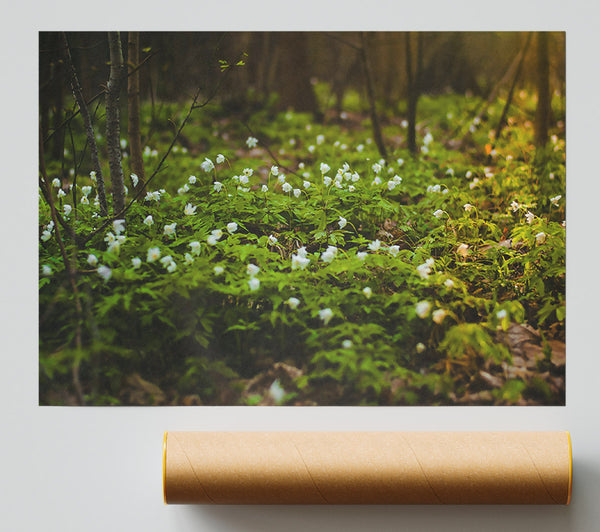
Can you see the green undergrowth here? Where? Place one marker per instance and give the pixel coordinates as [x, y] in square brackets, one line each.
[336, 278]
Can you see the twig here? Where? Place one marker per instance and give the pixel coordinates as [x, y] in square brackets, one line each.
[70, 268]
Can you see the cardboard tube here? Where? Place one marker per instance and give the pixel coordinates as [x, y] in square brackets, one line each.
[367, 467]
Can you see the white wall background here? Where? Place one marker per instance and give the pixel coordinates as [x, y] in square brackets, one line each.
[98, 469]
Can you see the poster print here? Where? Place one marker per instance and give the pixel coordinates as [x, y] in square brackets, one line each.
[302, 218]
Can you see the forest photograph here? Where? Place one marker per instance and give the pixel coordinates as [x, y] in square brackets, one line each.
[302, 218]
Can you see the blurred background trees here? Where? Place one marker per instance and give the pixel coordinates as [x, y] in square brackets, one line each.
[314, 72]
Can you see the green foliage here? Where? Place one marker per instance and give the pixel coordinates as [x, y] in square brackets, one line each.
[419, 272]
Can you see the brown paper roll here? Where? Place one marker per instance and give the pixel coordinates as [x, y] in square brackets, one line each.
[367, 467]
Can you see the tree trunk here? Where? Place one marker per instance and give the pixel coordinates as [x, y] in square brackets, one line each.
[371, 96]
[511, 91]
[112, 121]
[293, 85]
[413, 79]
[87, 122]
[542, 114]
[133, 101]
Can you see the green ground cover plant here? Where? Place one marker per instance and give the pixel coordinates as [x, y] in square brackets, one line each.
[283, 261]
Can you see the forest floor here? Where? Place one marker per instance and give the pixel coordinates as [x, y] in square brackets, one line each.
[284, 261]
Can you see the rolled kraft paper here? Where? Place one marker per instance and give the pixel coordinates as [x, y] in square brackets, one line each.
[367, 467]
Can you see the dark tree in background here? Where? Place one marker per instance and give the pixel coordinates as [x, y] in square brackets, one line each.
[542, 114]
[294, 73]
[112, 121]
[133, 105]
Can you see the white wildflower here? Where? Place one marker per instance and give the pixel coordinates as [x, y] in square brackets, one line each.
[46, 270]
[468, 207]
[118, 226]
[56, 182]
[394, 250]
[297, 192]
[299, 261]
[360, 148]
[217, 186]
[92, 260]
[501, 314]
[265, 188]
[325, 168]
[540, 238]
[220, 158]
[347, 344]
[218, 270]
[306, 184]
[93, 176]
[195, 247]
[439, 213]
[188, 259]
[400, 162]
[276, 392]
[420, 347]
[272, 240]
[293, 303]
[207, 165]
[367, 292]
[251, 142]
[252, 269]
[189, 210]
[320, 139]
[438, 315]
[86, 190]
[287, 187]
[376, 181]
[254, 284]
[274, 170]
[375, 245]
[325, 314]
[136, 262]
[422, 309]
[361, 255]
[232, 227]
[85, 200]
[555, 200]
[46, 235]
[148, 220]
[529, 216]
[376, 168]
[134, 179]
[105, 272]
[153, 254]
[427, 139]
[342, 222]
[327, 181]
[169, 230]
[192, 180]
[449, 283]
[61, 193]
